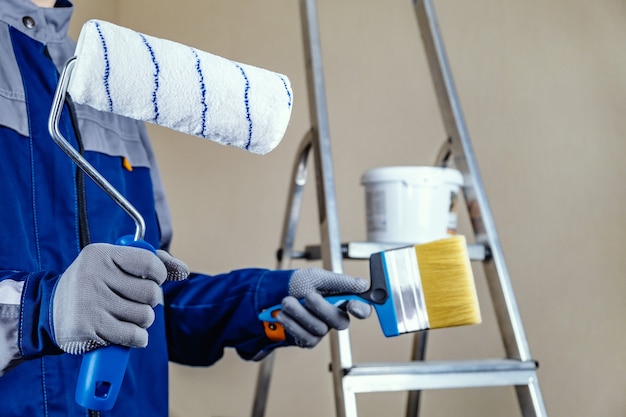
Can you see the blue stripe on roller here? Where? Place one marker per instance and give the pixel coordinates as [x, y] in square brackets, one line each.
[205, 108]
[107, 67]
[247, 104]
[287, 90]
[157, 70]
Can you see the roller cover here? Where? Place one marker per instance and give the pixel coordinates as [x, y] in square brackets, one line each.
[166, 83]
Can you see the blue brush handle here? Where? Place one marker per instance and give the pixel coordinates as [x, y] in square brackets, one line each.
[102, 370]
[266, 315]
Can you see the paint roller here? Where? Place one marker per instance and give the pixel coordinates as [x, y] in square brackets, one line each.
[159, 81]
[155, 80]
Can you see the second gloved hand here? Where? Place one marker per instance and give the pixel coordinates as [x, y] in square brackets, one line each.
[307, 323]
[107, 294]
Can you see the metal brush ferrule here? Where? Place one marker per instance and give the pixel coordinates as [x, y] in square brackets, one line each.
[406, 288]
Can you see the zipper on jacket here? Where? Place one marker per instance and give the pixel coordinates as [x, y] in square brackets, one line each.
[83, 223]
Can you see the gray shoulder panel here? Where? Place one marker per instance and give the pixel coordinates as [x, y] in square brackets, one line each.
[12, 102]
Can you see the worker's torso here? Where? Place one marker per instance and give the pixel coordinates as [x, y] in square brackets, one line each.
[47, 211]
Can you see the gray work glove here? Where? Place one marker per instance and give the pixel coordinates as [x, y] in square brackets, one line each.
[307, 323]
[106, 296]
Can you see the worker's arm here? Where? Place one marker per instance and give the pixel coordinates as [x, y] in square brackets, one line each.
[206, 314]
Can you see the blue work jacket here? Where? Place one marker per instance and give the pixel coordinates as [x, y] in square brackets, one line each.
[50, 210]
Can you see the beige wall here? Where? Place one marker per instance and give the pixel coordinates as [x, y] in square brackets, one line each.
[543, 88]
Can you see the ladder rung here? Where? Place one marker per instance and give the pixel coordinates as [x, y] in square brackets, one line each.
[363, 250]
[415, 376]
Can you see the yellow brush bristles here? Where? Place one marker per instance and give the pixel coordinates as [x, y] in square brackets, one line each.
[448, 282]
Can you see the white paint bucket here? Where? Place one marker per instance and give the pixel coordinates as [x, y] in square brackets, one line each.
[411, 204]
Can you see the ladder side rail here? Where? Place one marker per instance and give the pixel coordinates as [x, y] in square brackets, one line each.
[498, 280]
[261, 393]
[331, 245]
[290, 223]
[509, 319]
[341, 356]
[294, 203]
[418, 353]
[530, 399]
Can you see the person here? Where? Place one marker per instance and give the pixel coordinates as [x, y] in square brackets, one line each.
[66, 288]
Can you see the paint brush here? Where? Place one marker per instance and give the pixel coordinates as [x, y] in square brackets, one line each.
[413, 288]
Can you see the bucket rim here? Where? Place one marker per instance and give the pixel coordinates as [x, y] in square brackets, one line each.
[421, 174]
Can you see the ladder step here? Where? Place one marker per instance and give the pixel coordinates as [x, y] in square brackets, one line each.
[416, 376]
[363, 250]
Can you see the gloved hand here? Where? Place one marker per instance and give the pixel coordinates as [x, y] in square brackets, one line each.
[106, 296]
[307, 323]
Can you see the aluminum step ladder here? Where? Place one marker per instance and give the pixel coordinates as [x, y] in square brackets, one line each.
[518, 369]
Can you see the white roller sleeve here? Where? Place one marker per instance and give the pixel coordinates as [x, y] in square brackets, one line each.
[163, 82]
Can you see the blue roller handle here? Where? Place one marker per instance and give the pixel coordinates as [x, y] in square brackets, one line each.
[102, 370]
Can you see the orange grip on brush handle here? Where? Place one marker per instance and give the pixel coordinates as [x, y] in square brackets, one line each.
[273, 329]
[102, 370]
